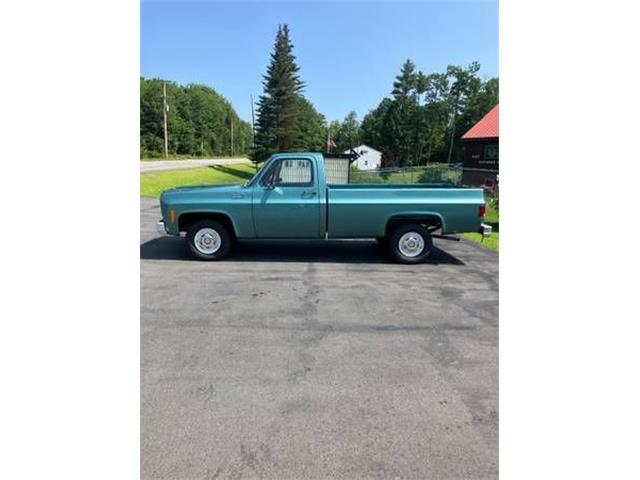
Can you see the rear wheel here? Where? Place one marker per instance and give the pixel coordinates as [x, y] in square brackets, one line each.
[410, 243]
[208, 240]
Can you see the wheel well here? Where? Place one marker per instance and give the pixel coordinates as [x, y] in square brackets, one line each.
[186, 219]
[432, 222]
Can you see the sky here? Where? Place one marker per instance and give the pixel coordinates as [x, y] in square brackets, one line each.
[348, 52]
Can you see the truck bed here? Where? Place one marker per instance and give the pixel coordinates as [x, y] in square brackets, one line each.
[356, 210]
[366, 186]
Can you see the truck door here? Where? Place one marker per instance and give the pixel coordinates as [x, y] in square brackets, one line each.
[286, 203]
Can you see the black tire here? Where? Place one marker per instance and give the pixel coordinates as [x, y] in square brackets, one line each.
[422, 234]
[200, 252]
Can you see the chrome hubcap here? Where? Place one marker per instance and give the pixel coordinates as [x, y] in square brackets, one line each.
[207, 241]
[411, 244]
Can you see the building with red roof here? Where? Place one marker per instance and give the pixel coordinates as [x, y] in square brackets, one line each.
[480, 165]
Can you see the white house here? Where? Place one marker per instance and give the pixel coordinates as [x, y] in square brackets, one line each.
[369, 158]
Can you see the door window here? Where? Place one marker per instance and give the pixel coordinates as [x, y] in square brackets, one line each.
[292, 172]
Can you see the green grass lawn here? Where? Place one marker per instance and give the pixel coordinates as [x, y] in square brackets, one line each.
[152, 184]
[492, 217]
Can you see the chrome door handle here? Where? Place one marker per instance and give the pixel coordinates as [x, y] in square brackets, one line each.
[310, 193]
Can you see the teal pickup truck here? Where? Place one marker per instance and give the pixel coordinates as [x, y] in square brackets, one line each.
[290, 198]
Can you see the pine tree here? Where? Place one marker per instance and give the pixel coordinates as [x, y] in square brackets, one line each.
[404, 112]
[406, 81]
[278, 125]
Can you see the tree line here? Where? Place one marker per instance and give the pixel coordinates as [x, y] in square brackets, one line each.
[199, 122]
[420, 122]
[426, 115]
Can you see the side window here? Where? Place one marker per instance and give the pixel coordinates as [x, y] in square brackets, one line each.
[291, 172]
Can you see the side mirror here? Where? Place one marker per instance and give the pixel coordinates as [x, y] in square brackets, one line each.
[269, 185]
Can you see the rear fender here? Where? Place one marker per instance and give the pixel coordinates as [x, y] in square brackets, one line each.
[430, 218]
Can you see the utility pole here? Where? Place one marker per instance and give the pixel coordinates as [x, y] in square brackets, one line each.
[201, 138]
[232, 136]
[253, 123]
[253, 130]
[453, 126]
[328, 137]
[165, 108]
[453, 129]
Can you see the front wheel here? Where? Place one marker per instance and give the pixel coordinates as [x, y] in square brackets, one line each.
[208, 240]
[410, 243]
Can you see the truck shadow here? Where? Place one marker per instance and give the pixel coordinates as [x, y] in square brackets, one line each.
[233, 171]
[329, 251]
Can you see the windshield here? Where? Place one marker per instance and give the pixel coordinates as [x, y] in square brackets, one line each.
[252, 181]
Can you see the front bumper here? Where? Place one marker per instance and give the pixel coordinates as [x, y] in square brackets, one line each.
[160, 228]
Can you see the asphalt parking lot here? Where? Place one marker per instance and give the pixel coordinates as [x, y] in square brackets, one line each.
[317, 360]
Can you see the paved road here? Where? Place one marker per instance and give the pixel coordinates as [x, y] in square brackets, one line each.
[147, 166]
[314, 361]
